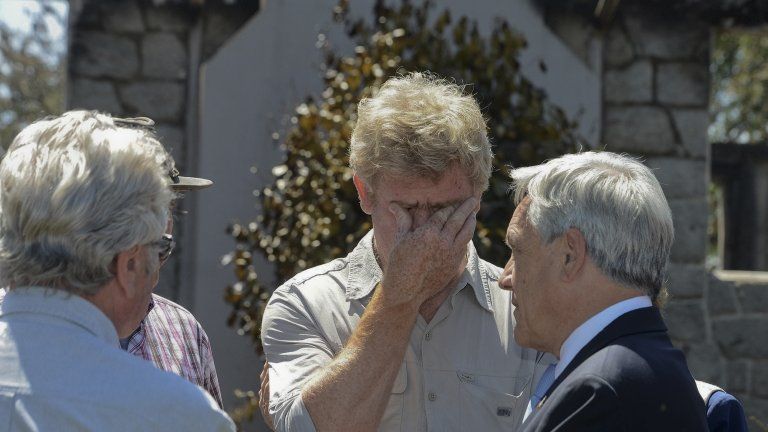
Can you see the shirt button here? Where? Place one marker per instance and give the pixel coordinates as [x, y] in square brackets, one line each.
[428, 336]
[432, 397]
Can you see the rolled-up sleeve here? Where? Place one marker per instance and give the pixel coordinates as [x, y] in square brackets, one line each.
[296, 350]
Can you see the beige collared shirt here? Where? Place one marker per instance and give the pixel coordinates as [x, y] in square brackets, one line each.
[461, 371]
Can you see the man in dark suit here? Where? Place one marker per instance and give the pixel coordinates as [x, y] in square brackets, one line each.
[590, 240]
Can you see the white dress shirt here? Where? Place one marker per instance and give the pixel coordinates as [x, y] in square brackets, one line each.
[61, 369]
[591, 327]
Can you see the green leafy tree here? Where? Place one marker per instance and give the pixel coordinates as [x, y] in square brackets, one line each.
[310, 213]
[31, 72]
[739, 86]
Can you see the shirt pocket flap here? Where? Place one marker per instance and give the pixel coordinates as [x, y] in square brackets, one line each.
[401, 380]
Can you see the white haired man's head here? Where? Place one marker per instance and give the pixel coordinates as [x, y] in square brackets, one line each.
[76, 190]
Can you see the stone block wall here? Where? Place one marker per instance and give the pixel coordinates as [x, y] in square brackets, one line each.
[737, 309]
[655, 105]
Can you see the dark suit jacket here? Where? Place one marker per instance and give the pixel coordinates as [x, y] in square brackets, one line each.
[725, 413]
[628, 378]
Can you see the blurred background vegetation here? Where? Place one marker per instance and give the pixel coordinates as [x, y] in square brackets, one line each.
[739, 86]
[738, 111]
[32, 63]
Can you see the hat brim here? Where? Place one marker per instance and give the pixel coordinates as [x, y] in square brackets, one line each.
[191, 183]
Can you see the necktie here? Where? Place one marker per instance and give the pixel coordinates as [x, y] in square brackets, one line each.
[545, 381]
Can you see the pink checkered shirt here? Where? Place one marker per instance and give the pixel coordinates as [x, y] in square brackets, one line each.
[172, 339]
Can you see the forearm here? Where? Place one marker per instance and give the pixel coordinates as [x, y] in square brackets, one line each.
[352, 392]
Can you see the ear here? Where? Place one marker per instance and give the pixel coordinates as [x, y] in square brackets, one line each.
[127, 271]
[364, 193]
[573, 254]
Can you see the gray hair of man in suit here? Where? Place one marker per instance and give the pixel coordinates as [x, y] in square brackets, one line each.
[615, 202]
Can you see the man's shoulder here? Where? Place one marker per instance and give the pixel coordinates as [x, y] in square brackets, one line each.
[104, 378]
[317, 277]
[171, 310]
[642, 361]
[191, 405]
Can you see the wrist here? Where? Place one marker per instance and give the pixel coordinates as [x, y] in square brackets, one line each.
[396, 303]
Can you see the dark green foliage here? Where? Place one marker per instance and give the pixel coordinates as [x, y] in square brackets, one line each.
[310, 214]
[31, 72]
[739, 86]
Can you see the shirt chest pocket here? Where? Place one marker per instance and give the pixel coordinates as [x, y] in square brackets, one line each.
[491, 402]
[393, 414]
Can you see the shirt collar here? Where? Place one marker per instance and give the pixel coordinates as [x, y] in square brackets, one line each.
[364, 270]
[365, 273]
[591, 327]
[63, 305]
[136, 339]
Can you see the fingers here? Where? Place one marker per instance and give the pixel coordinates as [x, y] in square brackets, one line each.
[467, 230]
[461, 220]
[440, 217]
[403, 220]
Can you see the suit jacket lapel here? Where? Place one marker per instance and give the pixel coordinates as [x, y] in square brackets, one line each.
[645, 320]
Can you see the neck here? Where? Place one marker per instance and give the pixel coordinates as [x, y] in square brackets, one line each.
[430, 307]
[104, 300]
[587, 306]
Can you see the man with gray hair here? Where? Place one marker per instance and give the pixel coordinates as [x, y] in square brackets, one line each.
[590, 240]
[84, 209]
[409, 331]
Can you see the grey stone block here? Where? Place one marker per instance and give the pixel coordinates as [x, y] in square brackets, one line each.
[169, 18]
[760, 378]
[685, 319]
[654, 36]
[631, 84]
[687, 280]
[740, 338]
[123, 16]
[721, 299]
[97, 54]
[753, 298]
[158, 100]
[618, 48]
[704, 362]
[756, 410]
[737, 375]
[680, 178]
[692, 126]
[85, 16]
[683, 84]
[163, 56]
[639, 130]
[94, 95]
[690, 219]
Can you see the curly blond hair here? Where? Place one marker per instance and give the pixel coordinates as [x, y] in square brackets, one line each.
[420, 124]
